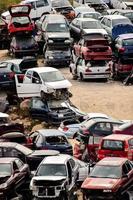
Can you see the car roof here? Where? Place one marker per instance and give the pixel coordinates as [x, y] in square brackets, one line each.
[7, 160]
[50, 132]
[86, 19]
[111, 17]
[15, 61]
[120, 137]
[59, 159]
[126, 36]
[42, 69]
[55, 18]
[112, 161]
[8, 144]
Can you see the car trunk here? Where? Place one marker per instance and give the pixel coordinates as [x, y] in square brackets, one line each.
[98, 45]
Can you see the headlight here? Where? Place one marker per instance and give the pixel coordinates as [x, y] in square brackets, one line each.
[50, 41]
[107, 190]
[50, 57]
[67, 41]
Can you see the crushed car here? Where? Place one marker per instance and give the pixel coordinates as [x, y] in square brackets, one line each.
[20, 21]
[13, 174]
[57, 176]
[52, 111]
[110, 178]
[44, 82]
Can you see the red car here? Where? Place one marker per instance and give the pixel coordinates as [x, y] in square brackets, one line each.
[121, 68]
[93, 47]
[20, 20]
[116, 145]
[126, 129]
[110, 179]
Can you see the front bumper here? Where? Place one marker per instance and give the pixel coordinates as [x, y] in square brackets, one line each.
[58, 61]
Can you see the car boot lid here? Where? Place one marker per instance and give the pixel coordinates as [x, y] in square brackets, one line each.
[100, 183]
[120, 29]
[19, 10]
[102, 31]
[59, 84]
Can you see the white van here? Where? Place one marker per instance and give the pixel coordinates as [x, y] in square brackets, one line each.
[38, 7]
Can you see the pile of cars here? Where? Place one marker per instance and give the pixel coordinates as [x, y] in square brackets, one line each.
[95, 42]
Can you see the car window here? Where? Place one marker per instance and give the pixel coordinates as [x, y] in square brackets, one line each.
[104, 21]
[130, 142]
[18, 163]
[38, 104]
[15, 167]
[36, 78]
[124, 169]
[72, 163]
[94, 139]
[129, 167]
[109, 23]
[41, 3]
[104, 126]
[112, 145]
[29, 74]
[79, 62]
[56, 140]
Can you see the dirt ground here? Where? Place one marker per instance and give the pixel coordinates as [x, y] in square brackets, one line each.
[112, 98]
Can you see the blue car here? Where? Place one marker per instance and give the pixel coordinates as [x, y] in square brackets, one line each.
[51, 139]
[123, 41]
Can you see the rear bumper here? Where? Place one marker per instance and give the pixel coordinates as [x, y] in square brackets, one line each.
[96, 76]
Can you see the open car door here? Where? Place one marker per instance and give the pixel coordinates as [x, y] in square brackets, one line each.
[27, 89]
[19, 10]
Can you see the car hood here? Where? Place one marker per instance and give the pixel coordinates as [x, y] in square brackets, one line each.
[102, 31]
[121, 29]
[58, 35]
[42, 153]
[49, 178]
[59, 84]
[100, 183]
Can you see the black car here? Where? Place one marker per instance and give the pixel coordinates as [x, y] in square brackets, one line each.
[33, 158]
[53, 112]
[23, 46]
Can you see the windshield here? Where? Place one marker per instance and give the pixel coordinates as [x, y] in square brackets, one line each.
[25, 41]
[91, 25]
[57, 27]
[120, 21]
[23, 149]
[5, 169]
[92, 15]
[60, 3]
[113, 145]
[56, 140]
[106, 172]
[52, 76]
[128, 42]
[55, 104]
[52, 170]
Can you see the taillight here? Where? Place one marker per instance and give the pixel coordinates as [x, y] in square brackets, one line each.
[65, 128]
[87, 70]
[122, 49]
[11, 75]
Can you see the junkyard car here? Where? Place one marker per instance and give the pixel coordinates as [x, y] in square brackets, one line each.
[126, 13]
[126, 129]
[81, 26]
[13, 173]
[23, 46]
[56, 177]
[20, 21]
[83, 8]
[44, 82]
[89, 14]
[90, 69]
[116, 145]
[109, 21]
[125, 4]
[51, 139]
[93, 47]
[98, 5]
[64, 8]
[110, 178]
[53, 112]
[32, 158]
[3, 33]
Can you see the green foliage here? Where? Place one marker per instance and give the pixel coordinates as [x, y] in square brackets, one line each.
[5, 3]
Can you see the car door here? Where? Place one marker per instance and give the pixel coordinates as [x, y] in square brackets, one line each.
[28, 88]
[23, 170]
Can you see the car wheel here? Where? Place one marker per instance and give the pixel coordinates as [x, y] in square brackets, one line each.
[81, 77]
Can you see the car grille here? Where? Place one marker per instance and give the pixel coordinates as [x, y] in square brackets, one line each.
[47, 183]
[46, 191]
